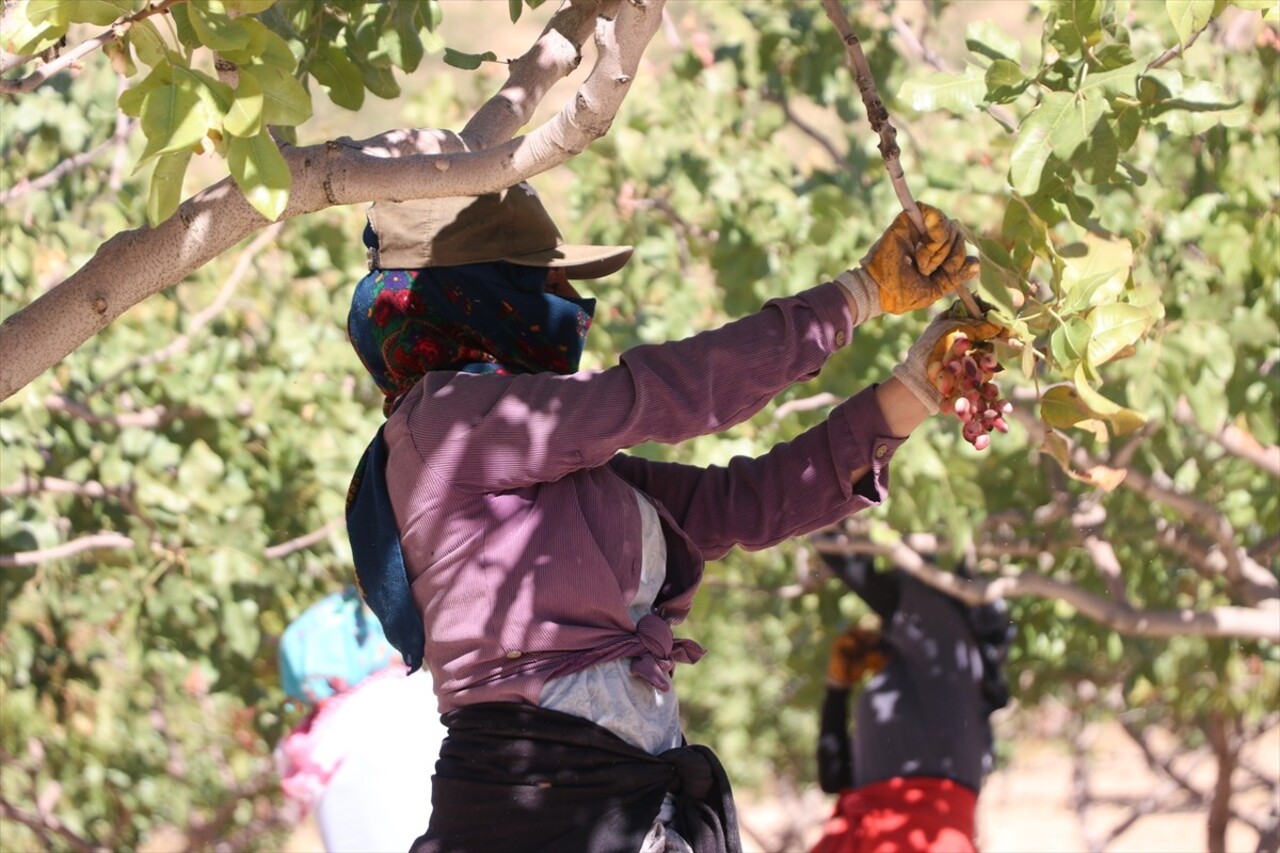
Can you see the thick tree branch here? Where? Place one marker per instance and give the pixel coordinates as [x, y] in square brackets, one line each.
[180, 345]
[1220, 803]
[556, 53]
[65, 60]
[137, 264]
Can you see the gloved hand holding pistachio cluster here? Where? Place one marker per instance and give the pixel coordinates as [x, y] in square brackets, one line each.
[951, 369]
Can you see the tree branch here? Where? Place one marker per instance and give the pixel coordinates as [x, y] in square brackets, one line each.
[1108, 566]
[878, 116]
[817, 136]
[27, 186]
[137, 264]
[1266, 550]
[180, 345]
[1220, 803]
[65, 60]
[105, 540]
[45, 825]
[152, 418]
[1236, 441]
[1175, 51]
[1254, 581]
[556, 53]
[301, 543]
[805, 404]
[1215, 622]
[1183, 780]
[25, 485]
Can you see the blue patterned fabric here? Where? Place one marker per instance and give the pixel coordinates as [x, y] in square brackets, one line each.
[478, 318]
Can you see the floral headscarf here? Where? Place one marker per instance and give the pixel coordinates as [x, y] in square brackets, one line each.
[479, 318]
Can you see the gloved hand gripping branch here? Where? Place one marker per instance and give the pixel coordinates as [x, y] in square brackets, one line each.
[906, 270]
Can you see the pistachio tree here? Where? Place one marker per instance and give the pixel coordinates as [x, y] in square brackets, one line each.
[181, 412]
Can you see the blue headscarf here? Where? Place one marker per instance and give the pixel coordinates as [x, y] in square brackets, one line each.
[478, 318]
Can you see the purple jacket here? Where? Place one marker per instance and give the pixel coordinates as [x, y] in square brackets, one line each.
[516, 513]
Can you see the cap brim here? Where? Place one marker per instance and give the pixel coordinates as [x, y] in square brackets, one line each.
[578, 261]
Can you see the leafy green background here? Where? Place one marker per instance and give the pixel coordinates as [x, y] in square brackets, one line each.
[1129, 207]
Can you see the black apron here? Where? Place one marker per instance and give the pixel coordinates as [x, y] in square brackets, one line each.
[515, 777]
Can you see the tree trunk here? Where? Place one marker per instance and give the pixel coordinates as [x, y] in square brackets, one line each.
[1216, 729]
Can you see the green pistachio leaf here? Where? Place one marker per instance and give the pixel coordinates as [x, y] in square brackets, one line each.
[259, 169]
[339, 75]
[467, 61]
[1188, 16]
[174, 115]
[244, 118]
[957, 93]
[165, 192]
[214, 29]
[284, 100]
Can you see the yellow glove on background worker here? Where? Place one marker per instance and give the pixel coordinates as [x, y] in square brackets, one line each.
[854, 654]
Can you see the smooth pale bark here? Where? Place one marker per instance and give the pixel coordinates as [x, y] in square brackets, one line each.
[397, 165]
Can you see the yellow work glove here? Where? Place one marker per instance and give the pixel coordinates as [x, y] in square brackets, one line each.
[854, 653]
[911, 270]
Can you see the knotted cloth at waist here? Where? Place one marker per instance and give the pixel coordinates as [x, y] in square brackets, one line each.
[656, 651]
[517, 777]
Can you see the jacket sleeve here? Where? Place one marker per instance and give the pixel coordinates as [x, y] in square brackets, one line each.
[835, 755]
[493, 432]
[797, 487]
[878, 589]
